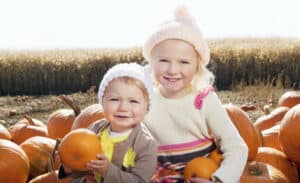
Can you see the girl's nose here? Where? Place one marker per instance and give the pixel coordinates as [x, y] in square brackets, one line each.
[172, 69]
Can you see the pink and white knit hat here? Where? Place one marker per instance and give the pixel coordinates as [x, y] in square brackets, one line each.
[182, 26]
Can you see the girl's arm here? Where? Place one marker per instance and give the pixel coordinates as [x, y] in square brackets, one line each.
[235, 150]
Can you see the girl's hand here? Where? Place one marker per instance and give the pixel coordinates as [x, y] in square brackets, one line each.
[100, 165]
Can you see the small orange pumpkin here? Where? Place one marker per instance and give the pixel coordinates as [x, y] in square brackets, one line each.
[38, 150]
[289, 99]
[289, 134]
[31, 121]
[25, 129]
[216, 155]
[14, 166]
[4, 133]
[78, 147]
[201, 167]
[246, 129]
[270, 137]
[50, 177]
[87, 116]
[259, 172]
[60, 121]
[279, 160]
[269, 120]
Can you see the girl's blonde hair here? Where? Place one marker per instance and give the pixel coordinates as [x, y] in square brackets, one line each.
[202, 78]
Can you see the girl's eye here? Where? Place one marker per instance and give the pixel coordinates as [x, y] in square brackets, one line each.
[134, 101]
[184, 62]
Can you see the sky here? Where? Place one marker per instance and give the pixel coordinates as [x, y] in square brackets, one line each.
[43, 24]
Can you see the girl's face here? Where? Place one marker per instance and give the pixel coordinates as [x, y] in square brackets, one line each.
[124, 105]
[174, 63]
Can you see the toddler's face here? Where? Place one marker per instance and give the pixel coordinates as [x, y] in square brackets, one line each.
[124, 105]
[174, 63]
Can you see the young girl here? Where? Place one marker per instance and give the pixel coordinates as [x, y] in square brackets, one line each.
[130, 153]
[187, 118]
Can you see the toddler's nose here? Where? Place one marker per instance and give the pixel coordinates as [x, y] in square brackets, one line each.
[123, 106]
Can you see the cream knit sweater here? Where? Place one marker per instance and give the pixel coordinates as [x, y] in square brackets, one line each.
[173, 121]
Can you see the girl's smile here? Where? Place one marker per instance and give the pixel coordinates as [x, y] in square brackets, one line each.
[174, 64]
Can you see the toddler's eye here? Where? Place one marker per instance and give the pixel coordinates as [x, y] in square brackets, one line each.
[113, 99]
[163, 60]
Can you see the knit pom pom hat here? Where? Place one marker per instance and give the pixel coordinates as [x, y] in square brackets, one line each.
[182, 26]
[132, 70]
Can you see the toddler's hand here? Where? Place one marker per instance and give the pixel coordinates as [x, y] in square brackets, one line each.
[100, 165]
[90, 177]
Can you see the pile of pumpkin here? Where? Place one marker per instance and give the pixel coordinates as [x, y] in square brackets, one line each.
[27, 148]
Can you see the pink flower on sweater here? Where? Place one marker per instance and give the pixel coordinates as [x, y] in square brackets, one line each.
[202, 94]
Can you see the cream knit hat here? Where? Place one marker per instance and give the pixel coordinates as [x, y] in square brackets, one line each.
[181, 26]
[133, 70]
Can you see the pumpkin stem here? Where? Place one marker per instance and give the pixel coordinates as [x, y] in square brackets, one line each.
[66, 100]
[51, 159]
[29, 119]
[254, 169]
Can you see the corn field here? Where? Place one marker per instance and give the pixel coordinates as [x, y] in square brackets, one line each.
[234, 62]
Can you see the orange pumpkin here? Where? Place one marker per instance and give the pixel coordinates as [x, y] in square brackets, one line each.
[216, 155]
[25, 129]
[201, 167]
[259, 172]
[270, 137]
[14, 165]
[289, 134]
[289, 99]
[4, 133]
[278, 160]
[246, 129]
[269, 120]
[78, 147]
[50, 177]
[38, 150]
[31, 121]
[87, 116]
[60, 121]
